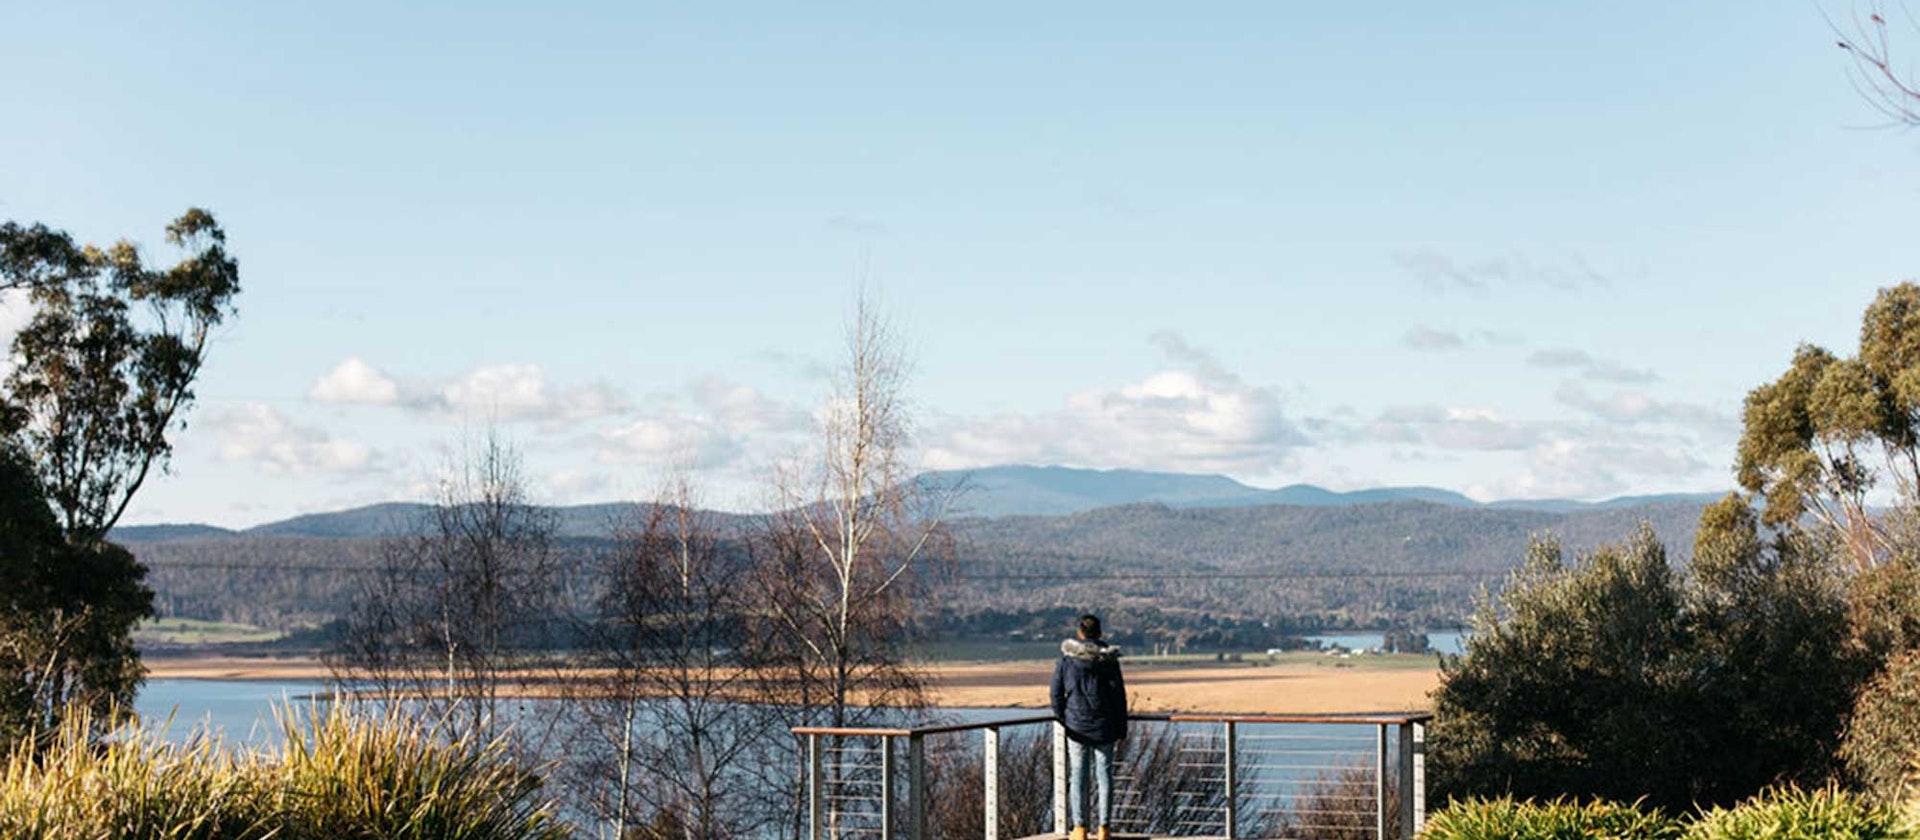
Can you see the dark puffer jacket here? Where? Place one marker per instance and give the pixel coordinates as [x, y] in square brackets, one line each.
[1089, 695]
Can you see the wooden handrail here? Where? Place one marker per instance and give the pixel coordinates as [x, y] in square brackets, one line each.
[850, 731]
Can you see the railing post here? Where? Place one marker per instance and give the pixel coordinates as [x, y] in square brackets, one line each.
[1380, 781]
[990, 778]
[1233, 784]
[1413, 790]
[917, 787]
[887, 793]
[1059, 779]
[816, 795]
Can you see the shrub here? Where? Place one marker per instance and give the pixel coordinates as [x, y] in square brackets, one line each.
[1572, 683]
[1613, 677]
[1883, 739]
[1560, 819]
[1791, 813]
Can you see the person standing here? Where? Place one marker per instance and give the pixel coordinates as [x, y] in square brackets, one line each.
[1090, 702]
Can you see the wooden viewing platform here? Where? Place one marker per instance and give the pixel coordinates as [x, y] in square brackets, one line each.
[1234, 776]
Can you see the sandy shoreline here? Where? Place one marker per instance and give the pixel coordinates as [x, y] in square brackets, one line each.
[1282, 689]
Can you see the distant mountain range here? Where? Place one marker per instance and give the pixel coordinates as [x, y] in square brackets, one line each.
[988, 493]
[1053, 491]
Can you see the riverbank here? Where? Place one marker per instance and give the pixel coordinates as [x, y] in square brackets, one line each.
[1299, 686]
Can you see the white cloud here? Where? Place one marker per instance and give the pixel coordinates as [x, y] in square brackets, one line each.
[743, 410]
[262, 435]
[576, 486]
[670, 439]
[1195, 417]
[354, 382]
[16, 309]
[1629, 407]
[1604, 370]
[1591, 468]
[1473, 429]
[508, 393]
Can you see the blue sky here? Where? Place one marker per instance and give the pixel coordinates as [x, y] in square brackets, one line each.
[1511, 249]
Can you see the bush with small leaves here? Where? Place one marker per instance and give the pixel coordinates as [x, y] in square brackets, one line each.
[1561, 819]
[1791, 813]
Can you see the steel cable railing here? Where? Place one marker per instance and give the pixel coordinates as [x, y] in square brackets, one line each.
[1307, 777]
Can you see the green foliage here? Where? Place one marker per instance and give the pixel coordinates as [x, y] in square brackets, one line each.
[1571, 683]
[1882, 747]
[1811, 437]
[66, 615]
[108, 359]
[1885, 604]
[1768, 657]
[101, 372]
[337, 774]
[1781, 813]
[1613, 678]
[1559, 819]
[1791, 813]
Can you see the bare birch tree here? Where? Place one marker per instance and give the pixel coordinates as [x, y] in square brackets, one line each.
[840, 561]
[458, 611]
[840, 565]
[666, 735]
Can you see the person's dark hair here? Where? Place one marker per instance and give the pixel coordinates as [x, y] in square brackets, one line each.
[1090, 626]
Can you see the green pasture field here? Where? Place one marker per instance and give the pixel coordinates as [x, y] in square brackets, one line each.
[194, 631]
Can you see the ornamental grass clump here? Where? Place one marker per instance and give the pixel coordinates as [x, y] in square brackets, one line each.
[135, 785]
[339, 772]
[1790, 813]
[1561, 819]
[345, 773]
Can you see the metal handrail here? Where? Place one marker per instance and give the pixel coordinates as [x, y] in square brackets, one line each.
[1405, 817]
[1368, 718]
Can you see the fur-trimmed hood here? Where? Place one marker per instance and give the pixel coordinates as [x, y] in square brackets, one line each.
[1092, 650]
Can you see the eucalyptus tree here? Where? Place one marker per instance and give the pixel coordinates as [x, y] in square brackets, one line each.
[102, 374]
[1820, 441]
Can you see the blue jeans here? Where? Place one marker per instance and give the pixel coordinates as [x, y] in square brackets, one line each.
[1077, 783]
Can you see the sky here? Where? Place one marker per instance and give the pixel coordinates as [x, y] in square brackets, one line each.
[1518, 250]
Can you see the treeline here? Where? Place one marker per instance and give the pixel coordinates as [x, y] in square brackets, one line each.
[1786, 652]
[1293, 569]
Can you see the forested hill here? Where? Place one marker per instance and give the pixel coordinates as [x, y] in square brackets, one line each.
[1029, 490]
[1413, 562]
[1408, 562]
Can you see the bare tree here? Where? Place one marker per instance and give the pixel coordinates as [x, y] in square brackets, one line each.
[837, 566]
[459, 611]
[838, 563]
[665, 736]
[1891, 87]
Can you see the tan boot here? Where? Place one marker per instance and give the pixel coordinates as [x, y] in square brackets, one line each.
[1079, 833]
[1102, 834]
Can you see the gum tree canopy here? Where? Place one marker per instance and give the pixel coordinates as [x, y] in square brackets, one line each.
[1819, 440]
[101, 373]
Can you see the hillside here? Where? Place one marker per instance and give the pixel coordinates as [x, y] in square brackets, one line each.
[993, 492]
[1417, 562]
[1330, 566]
